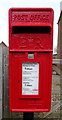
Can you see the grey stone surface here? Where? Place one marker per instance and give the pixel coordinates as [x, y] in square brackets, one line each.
[0, 81]
[3, 77]
[60, 6]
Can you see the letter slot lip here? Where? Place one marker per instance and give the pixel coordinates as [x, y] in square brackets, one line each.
[31, 24]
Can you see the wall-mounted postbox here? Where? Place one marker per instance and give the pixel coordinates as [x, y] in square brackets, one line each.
[30, 58]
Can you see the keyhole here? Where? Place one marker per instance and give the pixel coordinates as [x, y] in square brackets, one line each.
[18, 81]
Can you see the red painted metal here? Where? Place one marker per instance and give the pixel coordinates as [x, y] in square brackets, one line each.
[30, 31]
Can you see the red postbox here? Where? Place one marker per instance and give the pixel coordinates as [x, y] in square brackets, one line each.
[30, 59]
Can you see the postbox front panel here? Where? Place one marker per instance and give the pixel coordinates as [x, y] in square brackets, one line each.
[30, 82]
[30, 59]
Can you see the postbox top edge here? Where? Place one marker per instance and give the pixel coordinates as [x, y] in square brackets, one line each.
[32, 9]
